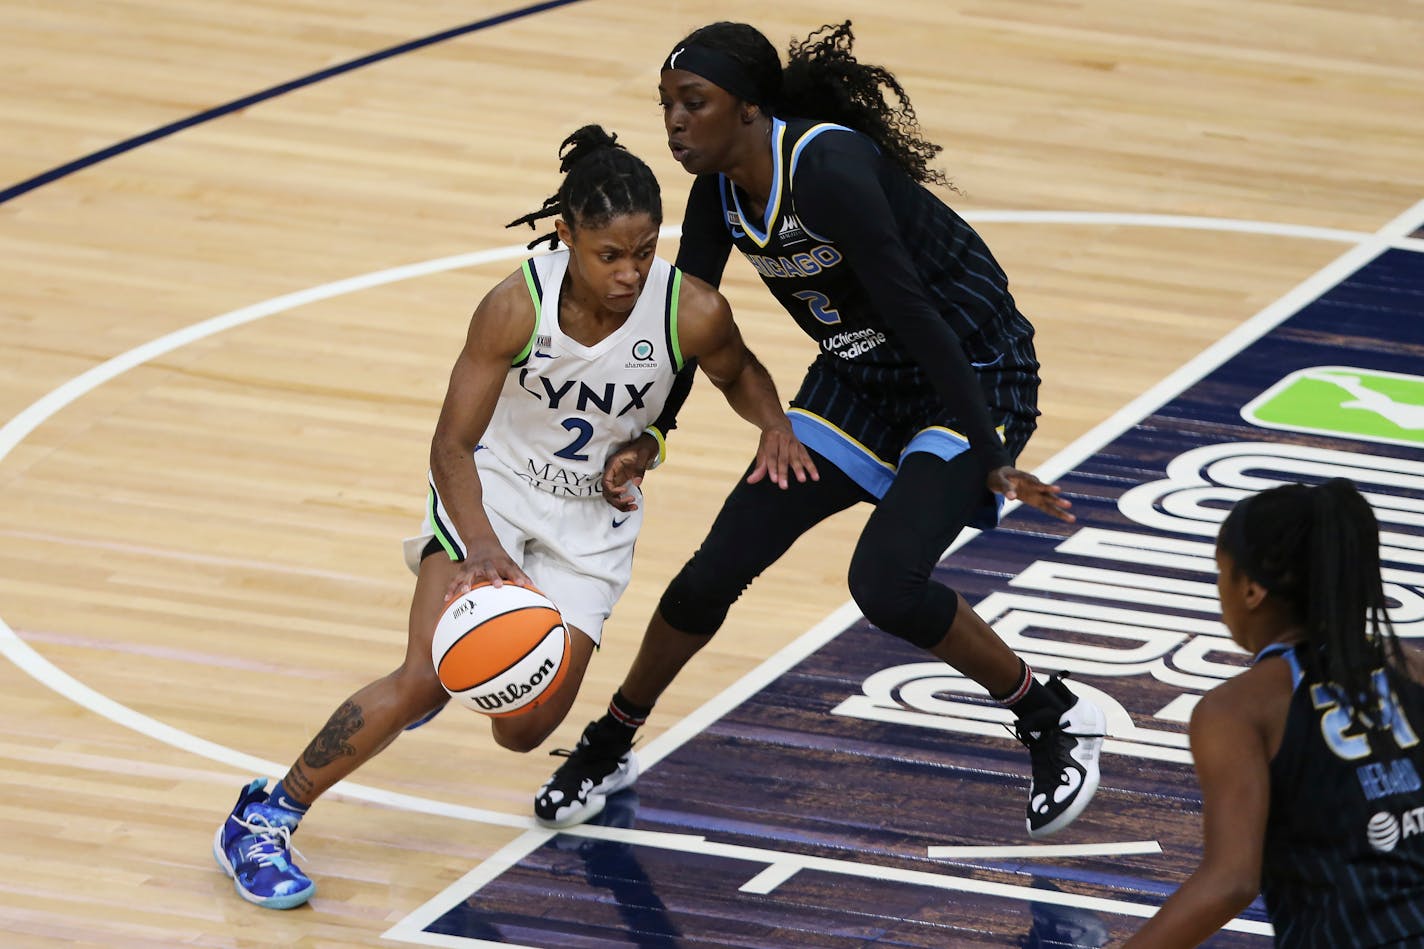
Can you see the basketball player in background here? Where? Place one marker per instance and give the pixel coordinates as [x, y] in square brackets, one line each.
[1310, 760]
[570, 356]
[923, 393]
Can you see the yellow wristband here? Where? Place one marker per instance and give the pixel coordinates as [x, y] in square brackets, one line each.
[662, 446]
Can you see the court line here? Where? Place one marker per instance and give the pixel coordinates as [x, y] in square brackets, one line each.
[766, 882]
[1391, 235]
[1046, 851]
[13, 432]
[780, 867]
[1397, 239]
[129, 144]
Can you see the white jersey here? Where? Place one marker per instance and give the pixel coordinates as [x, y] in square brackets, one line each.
[565, 406]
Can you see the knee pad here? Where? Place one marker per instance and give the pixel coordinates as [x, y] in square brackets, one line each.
[918, 611]
[693, 605]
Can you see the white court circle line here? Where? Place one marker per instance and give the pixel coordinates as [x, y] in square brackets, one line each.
[26, 658]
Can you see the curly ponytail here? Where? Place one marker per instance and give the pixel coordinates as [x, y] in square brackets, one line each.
[824, 80]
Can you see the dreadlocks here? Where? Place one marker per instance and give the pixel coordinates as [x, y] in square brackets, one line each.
[602, 180]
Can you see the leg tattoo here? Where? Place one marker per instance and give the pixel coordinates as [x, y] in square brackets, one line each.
[331, 742]
[299, 783]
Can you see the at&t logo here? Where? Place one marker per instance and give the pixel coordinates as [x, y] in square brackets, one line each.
[1385, 830]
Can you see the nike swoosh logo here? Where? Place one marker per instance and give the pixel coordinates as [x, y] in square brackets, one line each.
[543, 355]
[285, 804]
[618, 523]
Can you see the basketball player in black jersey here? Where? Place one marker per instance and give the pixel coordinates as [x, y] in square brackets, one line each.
[1310, 761]
[922, 394]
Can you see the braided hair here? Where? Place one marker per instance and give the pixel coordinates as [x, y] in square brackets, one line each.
[602, 181]
[1317, 550]
[823, 80]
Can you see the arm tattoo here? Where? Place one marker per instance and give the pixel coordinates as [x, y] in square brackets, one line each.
[331, 742]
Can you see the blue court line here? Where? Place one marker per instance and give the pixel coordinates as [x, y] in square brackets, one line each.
[94, 158]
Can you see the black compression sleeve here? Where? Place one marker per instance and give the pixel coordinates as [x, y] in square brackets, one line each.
[706, 242]
[703, 252]
[681, 386]
[840, 197]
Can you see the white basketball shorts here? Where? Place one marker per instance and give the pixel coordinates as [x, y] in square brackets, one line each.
[579, 551]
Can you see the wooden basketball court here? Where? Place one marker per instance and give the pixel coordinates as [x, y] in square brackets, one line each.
[228, 318]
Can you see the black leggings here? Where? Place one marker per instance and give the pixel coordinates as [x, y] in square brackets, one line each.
[928, 504]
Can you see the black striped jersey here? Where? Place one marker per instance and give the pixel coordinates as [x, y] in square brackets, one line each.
[1344, 852]
[907, 305]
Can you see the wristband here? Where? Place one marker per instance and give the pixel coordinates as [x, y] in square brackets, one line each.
[662, 445]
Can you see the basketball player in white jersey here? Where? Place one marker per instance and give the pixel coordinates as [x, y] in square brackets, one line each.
[566, 360]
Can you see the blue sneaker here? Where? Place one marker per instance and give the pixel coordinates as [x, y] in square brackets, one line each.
[253, 846]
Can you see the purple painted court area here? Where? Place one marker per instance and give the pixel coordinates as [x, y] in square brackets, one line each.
[863, 757]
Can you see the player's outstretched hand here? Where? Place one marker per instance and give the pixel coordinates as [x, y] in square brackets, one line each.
[780, 452]
[1015, 484]
[485, 563]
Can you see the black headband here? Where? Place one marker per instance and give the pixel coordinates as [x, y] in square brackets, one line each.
[716, 67]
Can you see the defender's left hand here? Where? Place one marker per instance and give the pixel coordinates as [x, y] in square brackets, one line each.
[1022, 485]
[778, 452]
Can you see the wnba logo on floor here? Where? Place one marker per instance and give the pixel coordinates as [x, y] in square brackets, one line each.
[1125, 603]
[1344, 400]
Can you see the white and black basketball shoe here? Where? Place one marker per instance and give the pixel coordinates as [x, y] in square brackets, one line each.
[577, 791]
[1063, 746]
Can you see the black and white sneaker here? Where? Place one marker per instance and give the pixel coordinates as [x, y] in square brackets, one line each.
[578, 790]
[1064, 748]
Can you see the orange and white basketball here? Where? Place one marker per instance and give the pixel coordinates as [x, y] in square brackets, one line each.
[500, 650]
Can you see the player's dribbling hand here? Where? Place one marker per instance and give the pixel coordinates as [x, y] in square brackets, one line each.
[485, 563]
[781, 451]
[1021, 485]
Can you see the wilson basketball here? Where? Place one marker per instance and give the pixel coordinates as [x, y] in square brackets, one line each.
[500, 650]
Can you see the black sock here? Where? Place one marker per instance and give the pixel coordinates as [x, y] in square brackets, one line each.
[1029, 696]
[622, 720]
